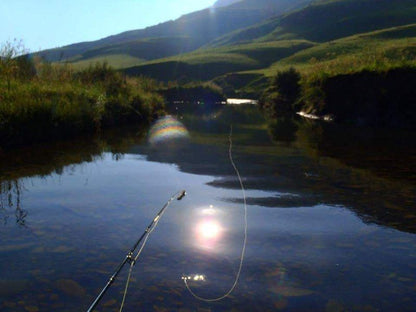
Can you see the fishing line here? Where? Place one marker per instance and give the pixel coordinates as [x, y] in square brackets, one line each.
[243, 250]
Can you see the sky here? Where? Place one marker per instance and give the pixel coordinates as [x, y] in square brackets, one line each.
[43, 24]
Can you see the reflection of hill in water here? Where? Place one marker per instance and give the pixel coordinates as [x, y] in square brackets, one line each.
[314, 165]
[323, 165]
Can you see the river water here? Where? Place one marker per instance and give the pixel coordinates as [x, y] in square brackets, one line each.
[331, 217]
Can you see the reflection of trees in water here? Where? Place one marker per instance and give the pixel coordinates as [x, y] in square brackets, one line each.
[371, 170]
[56, 158]
[387, 153]
[10, 200]
[283, 129]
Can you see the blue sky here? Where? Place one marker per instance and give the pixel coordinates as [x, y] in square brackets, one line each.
[43, 24]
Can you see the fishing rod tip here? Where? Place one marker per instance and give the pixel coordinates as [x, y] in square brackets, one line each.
[182, 195]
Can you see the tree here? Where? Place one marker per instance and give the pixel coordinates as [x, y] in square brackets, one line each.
[282, 96]
[287, 84]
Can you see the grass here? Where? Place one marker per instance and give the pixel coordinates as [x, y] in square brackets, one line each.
[117, 61]
[206, 64]
[194, 92]
[330, 20]
[365, 79]
[382, 49]
[387, 48]
[375, 51]
[336, 36]
[55, 102]
[378, 96]
[323, 21]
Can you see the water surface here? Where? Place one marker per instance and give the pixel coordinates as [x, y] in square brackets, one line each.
[331, 217]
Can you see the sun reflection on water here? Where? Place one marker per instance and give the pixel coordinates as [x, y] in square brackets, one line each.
[208, 230]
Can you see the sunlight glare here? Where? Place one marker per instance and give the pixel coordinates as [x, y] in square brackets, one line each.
[209, 211]
[209, 229]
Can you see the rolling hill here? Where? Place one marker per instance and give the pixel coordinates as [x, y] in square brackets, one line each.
[185, 34]
[206, 64]
[334, 32]
[238, 44]
[325, 20]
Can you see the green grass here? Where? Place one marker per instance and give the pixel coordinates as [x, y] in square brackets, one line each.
[58, 102]
[378, 50]
[246, 35]
[386, 48]
[323, 21]
[117, 61]
[242, 70]
[330, 20]
[174, 37]
[206, 64]
[146, 49]
[366, 78]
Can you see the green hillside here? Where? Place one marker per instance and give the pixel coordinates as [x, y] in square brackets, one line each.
[342, 34]
[390, 46]
[241, 44]
[365, 79]
[174, 37]
[206, 64]
[327, 20]
[116, 60]
[132, 53]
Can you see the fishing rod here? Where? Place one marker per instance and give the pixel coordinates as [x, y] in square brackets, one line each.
[129, 256]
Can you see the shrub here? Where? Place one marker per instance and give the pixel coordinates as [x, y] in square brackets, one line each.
[287, 84]
[282, 96]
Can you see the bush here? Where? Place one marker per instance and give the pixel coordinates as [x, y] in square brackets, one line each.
[282, 96]
[287, 84]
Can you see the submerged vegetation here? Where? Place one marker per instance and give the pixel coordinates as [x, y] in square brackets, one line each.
[41, 101]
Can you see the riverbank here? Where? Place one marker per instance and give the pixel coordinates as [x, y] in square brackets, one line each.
[379, 97]
[51, 102]
[194, 92]
[367, 97]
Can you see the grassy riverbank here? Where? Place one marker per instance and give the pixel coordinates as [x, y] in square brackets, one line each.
[381, 96]
[43, 102]
[193, 92]
[364, 79]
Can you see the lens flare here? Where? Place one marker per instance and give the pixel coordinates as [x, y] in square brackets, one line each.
[167, 129]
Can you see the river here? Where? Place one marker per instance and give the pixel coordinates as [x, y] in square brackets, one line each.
[331, 216]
